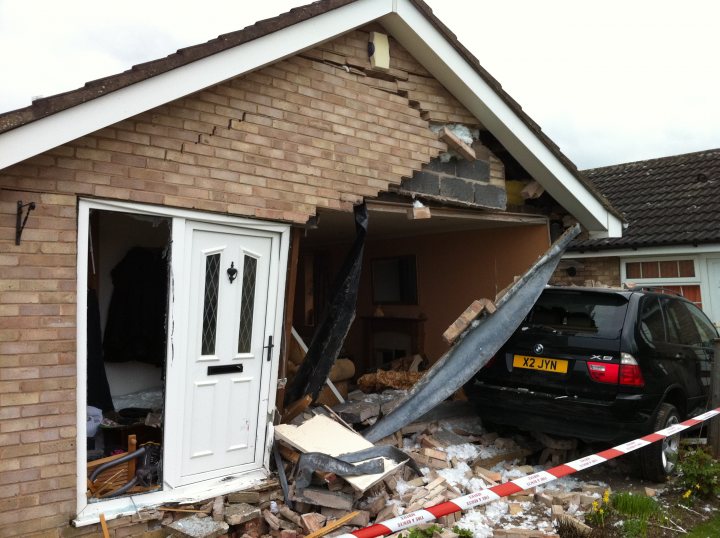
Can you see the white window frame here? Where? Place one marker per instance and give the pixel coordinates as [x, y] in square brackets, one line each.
[89, 513]
[698, 280]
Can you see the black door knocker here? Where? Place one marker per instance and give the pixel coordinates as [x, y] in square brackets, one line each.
[232, 272]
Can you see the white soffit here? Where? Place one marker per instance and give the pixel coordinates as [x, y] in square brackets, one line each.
[51, 131]
[415, 32]
[644, 252]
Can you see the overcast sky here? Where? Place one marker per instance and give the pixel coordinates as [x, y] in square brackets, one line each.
[609, 82]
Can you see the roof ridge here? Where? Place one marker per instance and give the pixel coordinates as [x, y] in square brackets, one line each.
[629, 164]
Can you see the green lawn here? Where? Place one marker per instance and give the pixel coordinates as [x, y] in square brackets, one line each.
[709, 529]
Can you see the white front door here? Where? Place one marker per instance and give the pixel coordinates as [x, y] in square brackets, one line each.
[230, 319]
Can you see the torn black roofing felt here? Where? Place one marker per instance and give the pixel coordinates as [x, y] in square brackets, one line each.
[665, 201]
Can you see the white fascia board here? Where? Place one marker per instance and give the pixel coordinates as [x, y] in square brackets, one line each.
[682, 250]
[415, 32]
[49, 132]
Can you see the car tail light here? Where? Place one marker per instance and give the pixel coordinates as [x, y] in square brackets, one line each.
[603, 372]
[630, 374]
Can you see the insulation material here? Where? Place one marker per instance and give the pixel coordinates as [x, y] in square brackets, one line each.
[463, 132]
[381, 380]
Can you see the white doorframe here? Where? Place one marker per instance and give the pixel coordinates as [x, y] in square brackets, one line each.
[89, 513]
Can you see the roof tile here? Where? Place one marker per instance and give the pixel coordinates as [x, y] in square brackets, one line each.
[667, 201]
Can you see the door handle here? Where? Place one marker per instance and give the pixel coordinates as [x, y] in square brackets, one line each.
[269, 347]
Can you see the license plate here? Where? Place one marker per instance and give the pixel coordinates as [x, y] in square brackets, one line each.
[559, 366]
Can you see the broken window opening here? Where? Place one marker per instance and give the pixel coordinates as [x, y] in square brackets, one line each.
[128, 261]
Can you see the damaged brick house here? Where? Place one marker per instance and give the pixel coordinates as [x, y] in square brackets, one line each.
[188, 212]
[673, 234]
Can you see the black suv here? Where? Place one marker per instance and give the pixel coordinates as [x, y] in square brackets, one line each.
[602, 365]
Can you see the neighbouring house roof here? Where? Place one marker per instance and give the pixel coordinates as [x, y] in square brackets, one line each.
[51, 121]
[667, 201]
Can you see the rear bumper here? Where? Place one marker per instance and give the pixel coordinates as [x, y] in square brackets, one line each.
[624, 418]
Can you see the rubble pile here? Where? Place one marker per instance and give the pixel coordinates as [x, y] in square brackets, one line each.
[444, 456]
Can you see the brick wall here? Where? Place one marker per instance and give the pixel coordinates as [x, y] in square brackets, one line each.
[594, 272]
[275, 144]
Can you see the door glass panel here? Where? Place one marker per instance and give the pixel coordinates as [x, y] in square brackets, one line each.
[706, 329]
[247, 305]
[682, 329]
[210, 307]
[651, 321]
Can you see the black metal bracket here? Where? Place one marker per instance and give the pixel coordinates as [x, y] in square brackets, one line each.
[19, 221]
[269, 347]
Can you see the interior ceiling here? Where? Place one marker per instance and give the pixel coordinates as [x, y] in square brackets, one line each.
[384, 222]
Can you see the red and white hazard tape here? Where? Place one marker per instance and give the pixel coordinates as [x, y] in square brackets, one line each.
[494, 493]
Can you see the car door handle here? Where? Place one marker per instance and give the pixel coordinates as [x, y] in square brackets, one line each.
[225, 369]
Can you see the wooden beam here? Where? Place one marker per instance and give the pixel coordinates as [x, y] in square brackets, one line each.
[290, 287]
[332, 526]
[103, 525]
[532, 190]
[454, 143]
[296, 408]
[132, 447]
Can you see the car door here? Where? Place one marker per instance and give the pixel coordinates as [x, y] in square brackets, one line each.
[688, 352]
[706, 348]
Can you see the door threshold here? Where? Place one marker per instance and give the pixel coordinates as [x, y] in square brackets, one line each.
[192, 493]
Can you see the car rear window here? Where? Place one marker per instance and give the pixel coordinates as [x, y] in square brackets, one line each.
[595, 314]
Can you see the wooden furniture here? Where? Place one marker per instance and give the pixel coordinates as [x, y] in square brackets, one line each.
[115, 477]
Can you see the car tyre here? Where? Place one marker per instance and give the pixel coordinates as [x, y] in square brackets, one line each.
[659, 459]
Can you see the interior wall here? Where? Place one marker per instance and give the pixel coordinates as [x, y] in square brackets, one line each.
[453, 269]
[118, 233]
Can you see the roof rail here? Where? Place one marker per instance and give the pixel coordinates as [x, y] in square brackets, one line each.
[658, 289]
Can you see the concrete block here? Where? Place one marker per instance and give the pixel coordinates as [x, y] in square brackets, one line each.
[478, 170]
[238, 513]
[422, 182]
[251, 497]
[489, 196]
[457, 189]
